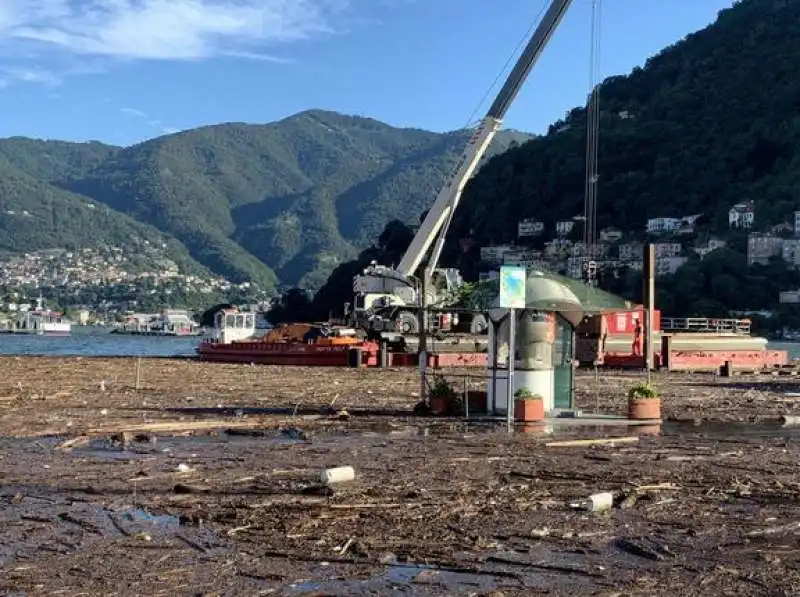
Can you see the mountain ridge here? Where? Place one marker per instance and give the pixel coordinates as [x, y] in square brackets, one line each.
[708, 122]
[279, 203]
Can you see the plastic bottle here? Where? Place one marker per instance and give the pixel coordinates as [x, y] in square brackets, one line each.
[597, 502]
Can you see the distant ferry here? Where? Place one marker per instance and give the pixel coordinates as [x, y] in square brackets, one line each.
[38, 322]
[170, 322]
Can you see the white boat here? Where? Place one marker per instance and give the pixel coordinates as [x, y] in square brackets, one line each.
[40, 322]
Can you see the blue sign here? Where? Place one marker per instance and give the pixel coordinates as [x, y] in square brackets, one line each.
[512, 287]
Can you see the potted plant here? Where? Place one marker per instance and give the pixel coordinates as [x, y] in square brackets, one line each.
[441, 397]
[644, 402]
[528, 406]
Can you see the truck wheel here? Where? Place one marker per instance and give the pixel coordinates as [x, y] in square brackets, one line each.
[407, 323]
[479, 325]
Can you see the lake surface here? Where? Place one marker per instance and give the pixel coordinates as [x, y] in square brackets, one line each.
[93, 341]
[98, 342]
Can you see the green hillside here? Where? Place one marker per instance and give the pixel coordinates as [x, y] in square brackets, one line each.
[278, 203]
[710, 121]
[54, 161]
[35, 215]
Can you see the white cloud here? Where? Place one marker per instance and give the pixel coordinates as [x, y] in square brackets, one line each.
[67, 37]
[133, 112]
[30, 75]
[158, 124]
[165, 29]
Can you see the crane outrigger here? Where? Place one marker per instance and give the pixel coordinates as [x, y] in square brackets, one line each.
[387, 298]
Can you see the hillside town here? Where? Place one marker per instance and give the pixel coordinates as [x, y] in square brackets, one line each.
[107, 285]
[83, 268]
[672, 251]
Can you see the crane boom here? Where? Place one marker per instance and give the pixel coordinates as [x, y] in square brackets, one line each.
[447, 200]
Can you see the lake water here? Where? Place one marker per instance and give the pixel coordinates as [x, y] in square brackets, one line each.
[98, 342]
[93, 341]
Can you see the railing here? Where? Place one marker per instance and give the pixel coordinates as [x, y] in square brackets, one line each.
[707, 325]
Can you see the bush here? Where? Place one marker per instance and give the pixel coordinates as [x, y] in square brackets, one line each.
[526, 394]
[643, 391]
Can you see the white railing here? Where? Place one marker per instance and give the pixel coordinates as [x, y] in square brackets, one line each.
[706, 325]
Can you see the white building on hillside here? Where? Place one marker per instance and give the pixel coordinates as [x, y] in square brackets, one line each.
[742, 215]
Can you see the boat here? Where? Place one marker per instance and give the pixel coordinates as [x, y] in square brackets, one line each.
[170, 322]
[38, 322]
[604, 340]
[235, 338]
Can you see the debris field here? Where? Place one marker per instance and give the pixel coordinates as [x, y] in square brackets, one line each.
[175, 477]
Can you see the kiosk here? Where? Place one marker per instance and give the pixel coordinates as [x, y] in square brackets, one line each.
[542, 336]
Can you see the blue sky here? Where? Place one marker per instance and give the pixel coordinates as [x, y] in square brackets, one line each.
[126, 70]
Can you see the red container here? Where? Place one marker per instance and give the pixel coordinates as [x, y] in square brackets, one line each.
[624, 322]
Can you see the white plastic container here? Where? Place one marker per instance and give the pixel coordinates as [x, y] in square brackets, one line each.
[340, 474]
[597, 502]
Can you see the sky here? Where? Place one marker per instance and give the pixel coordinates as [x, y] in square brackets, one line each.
[122, 71]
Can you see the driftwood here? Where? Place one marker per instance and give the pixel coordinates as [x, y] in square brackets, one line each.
[791, 527]
[592, 442]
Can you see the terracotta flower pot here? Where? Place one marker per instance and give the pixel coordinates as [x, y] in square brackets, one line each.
[529, 410]
[646, 408]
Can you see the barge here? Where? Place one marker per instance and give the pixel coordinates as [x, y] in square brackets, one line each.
[235, 339]
[602, 340]
[679, 343]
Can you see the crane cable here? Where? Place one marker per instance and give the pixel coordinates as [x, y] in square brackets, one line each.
[592, 137]
[471, 120]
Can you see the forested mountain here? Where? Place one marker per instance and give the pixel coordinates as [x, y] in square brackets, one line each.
[281, 203]
[54, 161]
[35, 214]
[708, 122]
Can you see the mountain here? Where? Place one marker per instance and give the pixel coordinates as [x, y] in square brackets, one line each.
[35, 214]
[708, 122]
[281, 203]
[54, 161]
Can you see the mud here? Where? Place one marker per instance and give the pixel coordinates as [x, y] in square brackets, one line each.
[204, 480]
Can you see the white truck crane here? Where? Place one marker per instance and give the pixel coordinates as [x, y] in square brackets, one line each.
[387, 299]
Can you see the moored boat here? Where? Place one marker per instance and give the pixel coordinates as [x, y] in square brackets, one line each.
[39, 322]
[235, 339]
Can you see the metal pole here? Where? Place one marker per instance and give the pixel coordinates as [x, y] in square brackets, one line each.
[422, 348]
[493, 327]
[138, 370]
[466, 396]
[649, 305]
[512, 350]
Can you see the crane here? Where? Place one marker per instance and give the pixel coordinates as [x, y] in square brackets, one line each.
[386, 298]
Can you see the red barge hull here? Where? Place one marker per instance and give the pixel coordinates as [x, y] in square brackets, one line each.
[605, 340]
[289, 353]
[310, 355]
